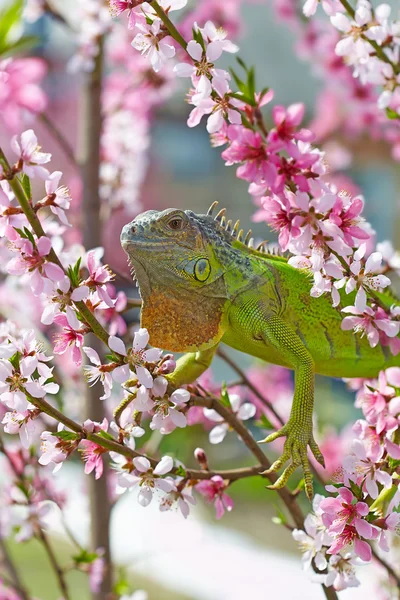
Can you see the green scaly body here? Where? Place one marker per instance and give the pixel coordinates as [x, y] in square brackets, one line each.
[201, 285]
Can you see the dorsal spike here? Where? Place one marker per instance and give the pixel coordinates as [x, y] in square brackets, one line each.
[248, 236]
[221, 213]
[229, 226]
[211, 209]
[235, 228]
[251, 243]
[262, 246]
[240, 236]
[223, 221]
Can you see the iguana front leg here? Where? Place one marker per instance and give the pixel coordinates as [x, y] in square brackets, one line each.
[299, 428]
[190, 366]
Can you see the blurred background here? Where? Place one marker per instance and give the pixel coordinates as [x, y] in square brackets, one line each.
[201, 558]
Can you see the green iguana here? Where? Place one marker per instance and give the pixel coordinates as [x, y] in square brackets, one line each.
[201, 285]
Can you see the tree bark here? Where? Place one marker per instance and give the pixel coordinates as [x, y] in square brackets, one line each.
[89, 160]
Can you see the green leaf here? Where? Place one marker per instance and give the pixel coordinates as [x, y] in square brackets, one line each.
[9, 19]
[122, 587]
[180, 471]
[241, 85]
[264, 422]
[244, 98]
[105, 435]
[241, 63]
[393, 463]
[73, 273]
[66, 436]
[85, 557]
[224, 397]
[392, 114]
[198, 38]
[247, 123]
[280, 518]
[264, 91]
[251, 83]
[29, 236]
[26, 184]
[22, 45]
[14, 360]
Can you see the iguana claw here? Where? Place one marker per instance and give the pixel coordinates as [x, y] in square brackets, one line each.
[298, 438]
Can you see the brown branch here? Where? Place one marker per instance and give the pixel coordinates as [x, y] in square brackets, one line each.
[39, 534]
[90, 127]
[392, 573]
[228, 416]
[15, 580]
[267, 403]
[54, 563]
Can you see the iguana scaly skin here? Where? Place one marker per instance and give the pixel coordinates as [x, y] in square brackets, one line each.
[201, 285]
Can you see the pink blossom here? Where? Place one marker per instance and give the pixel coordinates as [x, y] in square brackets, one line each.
[59, 195]
[167, 415]
[22, 424]
[99, 276]
[243, 411]
[112, 315]
[148, 478]
[8, 220]
[214, 491]
[52, 449]
[279, 213]
[97, 569]
[28, 150]
[32, 259]
[247, 147]
[364, 276]
[71, 336]
[98, 372]
[344, 519]
[346, 215]
[365, 470]
[182, 498]
[148, 42]
[367, 322]
[287, 121]
[135, 358]
[221, 106]
[19, 89]
[93, 457]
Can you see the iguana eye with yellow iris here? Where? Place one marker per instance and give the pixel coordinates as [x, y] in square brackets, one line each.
[202, 269]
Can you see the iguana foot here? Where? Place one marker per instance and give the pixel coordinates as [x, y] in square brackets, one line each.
[298, 437]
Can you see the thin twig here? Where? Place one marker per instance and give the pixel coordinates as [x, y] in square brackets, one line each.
[54, 563]
[389, 568]
[267, 403]
[15, 580]
[59, 137]
[39, 534]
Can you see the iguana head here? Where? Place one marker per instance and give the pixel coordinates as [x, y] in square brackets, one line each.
[179, 259]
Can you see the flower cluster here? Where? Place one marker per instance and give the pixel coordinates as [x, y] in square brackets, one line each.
[20, 90]
[362, 507]
[351, 103]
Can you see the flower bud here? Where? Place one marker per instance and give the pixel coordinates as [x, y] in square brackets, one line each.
[201, 458]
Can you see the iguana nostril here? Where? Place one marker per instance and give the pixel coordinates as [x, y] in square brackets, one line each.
[133, 229]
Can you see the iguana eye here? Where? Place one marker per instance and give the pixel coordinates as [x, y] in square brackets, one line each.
[176, 223]
[202, 269]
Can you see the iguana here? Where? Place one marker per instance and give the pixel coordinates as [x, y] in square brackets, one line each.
[202, 283]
